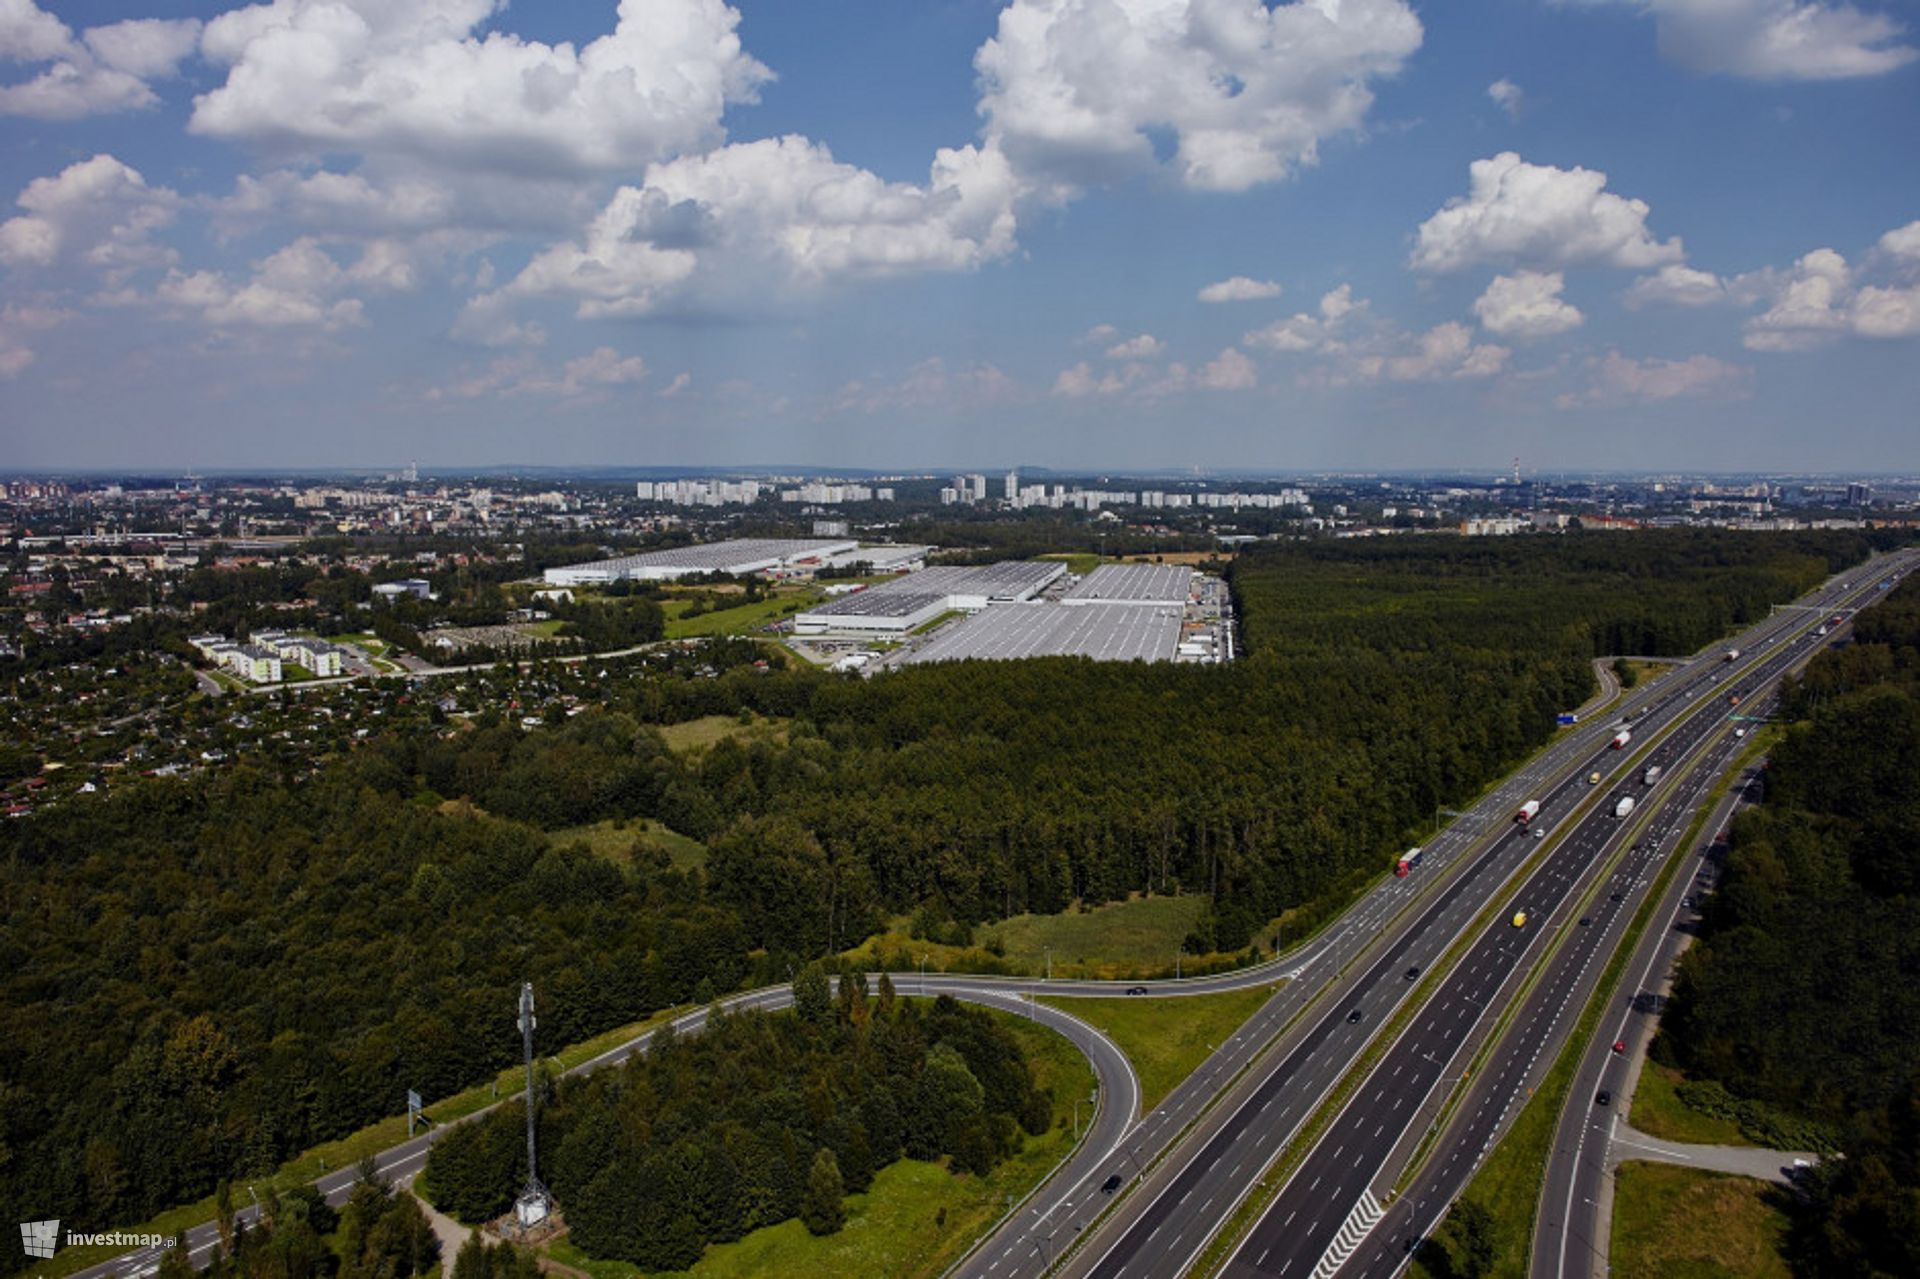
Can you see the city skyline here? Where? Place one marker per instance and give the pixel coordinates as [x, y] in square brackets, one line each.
[1131, 235]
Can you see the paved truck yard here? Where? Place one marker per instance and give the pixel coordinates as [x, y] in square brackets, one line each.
[1133, 584]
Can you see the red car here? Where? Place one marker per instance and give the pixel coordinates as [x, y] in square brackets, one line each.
[1619, 1045]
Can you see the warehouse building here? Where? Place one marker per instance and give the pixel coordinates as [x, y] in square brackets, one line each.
[1134, 584]
[896, 607]
[737, 556]
[1104, 632]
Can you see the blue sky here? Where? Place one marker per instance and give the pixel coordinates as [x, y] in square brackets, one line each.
[1077, 233]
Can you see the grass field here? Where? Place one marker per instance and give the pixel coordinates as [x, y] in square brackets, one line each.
[1078, 563]
[1682, 1223]
[918, 1217]
[708, 729]
[1659, 1112]
[366, 640]
[614, 843]
[732, 621]
[1166, 1038]
[1117, 940]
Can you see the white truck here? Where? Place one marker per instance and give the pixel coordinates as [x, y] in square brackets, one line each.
[1652, 774]
[1624, 807]
[1528, 811]
[1621, 738]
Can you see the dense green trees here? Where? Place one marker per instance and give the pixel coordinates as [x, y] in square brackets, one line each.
[759, 1118]
[1802, 997]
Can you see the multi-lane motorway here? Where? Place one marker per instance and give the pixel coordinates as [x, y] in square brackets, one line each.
[1337, 1213]
[1183, 1167]
[1569, 1229]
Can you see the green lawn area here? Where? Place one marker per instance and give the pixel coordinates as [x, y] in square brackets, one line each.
[1117, 940]
[1166, 1038]
[367, 640]
[917, 1218]
[1659, 1112]
[605, 839]
[732, 621]
[545, 630]
[1672, 1222]
[708, 729]
[1078, 563]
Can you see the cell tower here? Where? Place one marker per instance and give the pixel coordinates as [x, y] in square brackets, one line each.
[535, 1205]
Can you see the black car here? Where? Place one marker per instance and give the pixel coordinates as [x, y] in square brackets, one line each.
[1586, 921]
[1136, 990]
[1603, 1098]
[1111, 1184]
[1354, 1015]
[1619, 897]
[1413, 972]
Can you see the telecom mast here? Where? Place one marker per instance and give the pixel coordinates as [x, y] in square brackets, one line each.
[535, 1204]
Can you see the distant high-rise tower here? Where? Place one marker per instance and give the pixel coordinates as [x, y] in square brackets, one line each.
[1859, 494]
[535, 1205]
[412, 474]
[1013, 488]
[1516, 470]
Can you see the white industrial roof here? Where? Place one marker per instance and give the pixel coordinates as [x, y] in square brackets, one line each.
[1104, 632]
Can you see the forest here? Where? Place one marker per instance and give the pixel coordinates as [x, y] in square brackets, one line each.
[1803, 997]
[759, 1118]
[200, 977]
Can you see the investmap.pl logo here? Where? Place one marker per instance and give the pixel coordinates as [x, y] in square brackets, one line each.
[40, 1238]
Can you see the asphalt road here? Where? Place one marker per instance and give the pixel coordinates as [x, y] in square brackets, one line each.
[1333, 1215]
[1570, 1228]
[1401, 921]
[1160, 1230]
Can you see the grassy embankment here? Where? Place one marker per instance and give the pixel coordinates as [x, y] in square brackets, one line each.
[1166, 1039]
[918, 1217]
[1658, 1111]
[1120, 941]
[1672, 1222]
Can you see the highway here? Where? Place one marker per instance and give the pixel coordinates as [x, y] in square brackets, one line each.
[1332, 1208]
[1160, 1230]
[1569, 1236]
[1278, 1058]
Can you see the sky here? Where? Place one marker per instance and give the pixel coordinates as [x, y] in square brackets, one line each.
[930, 234]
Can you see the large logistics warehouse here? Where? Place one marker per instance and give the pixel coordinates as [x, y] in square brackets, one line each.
[1133, 584]
[1104, 632]
[879, 610]
[736, 556]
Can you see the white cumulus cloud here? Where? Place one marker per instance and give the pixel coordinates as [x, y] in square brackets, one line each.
[1507, 95]
[1304, 332]
[1541, 216]
[1677, 284]
[752, 220]
[412, 78]
[1527, 304]
[1144, 347]
[1778, 39]
[1240, 288]
[299, 286]
[1618, 379]
[1073, 90]
[105, 69]
[97, 212]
